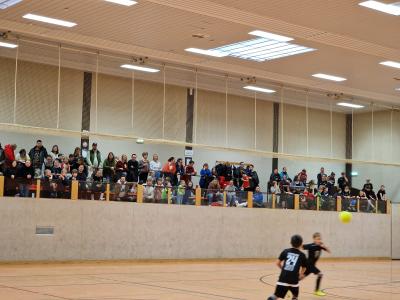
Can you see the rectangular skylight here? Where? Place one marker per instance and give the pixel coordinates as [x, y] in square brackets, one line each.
[7, 3]
[49, 20]
[258, 89]
[382, 7]
[329, 77]
[271, 36]
[123, 2]
[206, 52]
[392, 64]
[8, 45]
[261, 49]
[140, 68]
[351, 105]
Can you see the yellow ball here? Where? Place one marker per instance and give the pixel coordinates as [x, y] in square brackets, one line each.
[345, 217]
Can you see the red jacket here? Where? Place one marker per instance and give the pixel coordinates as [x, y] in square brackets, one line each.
[9, 154]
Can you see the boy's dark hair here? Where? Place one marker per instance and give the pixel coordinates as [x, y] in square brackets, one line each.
[315, 235]
[296, 241]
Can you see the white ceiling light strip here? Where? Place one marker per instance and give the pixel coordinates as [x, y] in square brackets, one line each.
[8, 45]
[392, 64]
[123, 2]
[392, 9]
[140, 68]
[351, 105]
[258, 89]
[49, 20]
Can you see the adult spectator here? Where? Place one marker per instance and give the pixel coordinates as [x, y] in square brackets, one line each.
[324, 181]
[231, 190]
[55, 152]
[133, 169]
[2, 159]
[205, 176]
[169, 168]
[275, 189]
[331, 184]
[381, 195]
[122, 167]
[253, 178]
[297, 186]
[275, 176]
[144, 167]
[189, 172]
[302, 177]
[258, 198]
[25, 174]
[368, 188]
[343, 181]
[155, 167]
[284, 173]
[11, 179]
[320, 175]
[22, 157]
[38, 154]
[9, 154]
[214, 192]
[109, 167]
[238, 173]
[93, 160]
[180, 171]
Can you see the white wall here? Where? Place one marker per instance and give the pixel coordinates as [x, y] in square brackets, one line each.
[89, 230]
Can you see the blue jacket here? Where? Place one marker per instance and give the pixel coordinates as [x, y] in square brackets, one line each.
[258, 198]
[204, 173]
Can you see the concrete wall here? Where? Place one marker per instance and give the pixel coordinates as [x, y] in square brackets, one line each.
[87, 230]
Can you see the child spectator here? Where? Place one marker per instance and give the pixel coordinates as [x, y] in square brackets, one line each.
[189, 172]
[189, 196]
[158, 190]
[205, 176]
[230, 190]
[169, 168]
[180, 192]
[11, 179]
[258, 198]
[97, 185]
[22, 157]
[148, 192]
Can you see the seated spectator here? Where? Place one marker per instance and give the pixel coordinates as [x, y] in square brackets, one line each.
[144, 167]
[47, 165]
[284, 173]
[121, 167]
[346, 192]
[148, 192]
[284, 185]
[11, 179]
[189, 196]
[25, 175]
[275, 188]
[258, 198]
[320, 175]
[324, 181]
[302, 177]
[275, 176]
[38, 155]
[231, 190]
[381, 195]
[81, 177]
[180, 192]
[22, 157]
[189, 172]
[133, 169]
[205, 176]
[331, 184]
[109, 167]
[158, 188]
[297, 186]
[343, 181]
[56, 169]
[98, 187]
[214, 192]
[9, 154]
[54, 152]
[123, 191]
[156, 167]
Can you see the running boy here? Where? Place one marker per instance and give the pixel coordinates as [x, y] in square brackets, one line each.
[292, 263]
[314, 253]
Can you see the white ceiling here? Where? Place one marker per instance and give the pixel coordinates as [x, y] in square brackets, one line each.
[351, 40]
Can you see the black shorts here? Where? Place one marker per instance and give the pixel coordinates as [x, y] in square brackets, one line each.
[312, 269]
[281, 291]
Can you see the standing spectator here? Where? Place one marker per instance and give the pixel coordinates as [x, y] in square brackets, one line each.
[284, 173]
[2, 159]
[109, 167]
[9, 154]
[331, 184]
[368, 188]
[148, 192]
[22, 157]
[205, 176]
[133, 169]
[284, 185]
[55, 152]
[253, 177]
[144, 167]
[381, 193]
[38, 154]
[320, 175]
[180, 171]
[11, 179]
[231, 190]
[93, 160]
[156, 167]
[275, 176]
[189, 172]
[180, 193]
[169, 168]
[25, 175]
[275, 189]
[122, 167]
[343, 181]
[303, 177]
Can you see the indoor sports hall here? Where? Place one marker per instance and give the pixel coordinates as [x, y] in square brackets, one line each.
[199, 149]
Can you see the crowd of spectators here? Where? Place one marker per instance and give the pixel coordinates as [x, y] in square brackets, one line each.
[93, 170]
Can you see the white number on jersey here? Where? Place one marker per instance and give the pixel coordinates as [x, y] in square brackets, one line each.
[291, 262]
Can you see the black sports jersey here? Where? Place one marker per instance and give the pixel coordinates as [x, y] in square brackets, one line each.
[314, 252]
[293, 259]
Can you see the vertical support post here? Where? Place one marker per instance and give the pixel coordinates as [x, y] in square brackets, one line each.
[339, 203]
[1, 186]
[388, 207]
[358, 205]
[318, 202]
[198, 196]
[297, 202]
[38, 188]
[224, 200]
[169, 196]
[139, 196]
[108, 192]
[250, 199]
[74, 190]
[273, 201]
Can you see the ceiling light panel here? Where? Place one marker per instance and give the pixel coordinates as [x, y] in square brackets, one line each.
[49, 20]
[351, 105]
[393, 9]
[123, 2]
[329, 77]
[7, 3]
[140, 68]
[8, 45]
[262, 49]
[206, 52]
[258, 89]
[392, 64]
